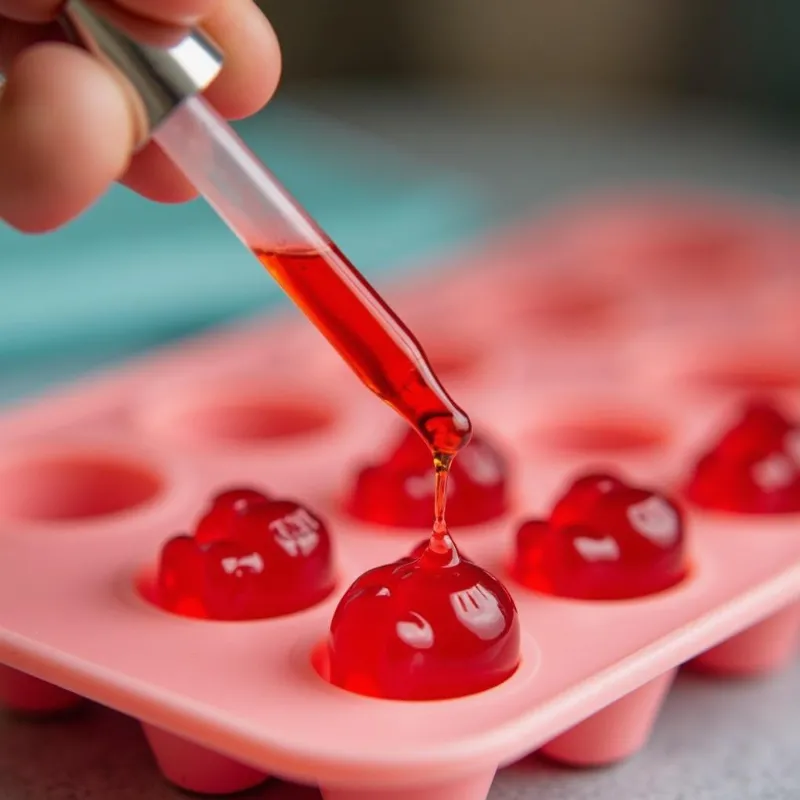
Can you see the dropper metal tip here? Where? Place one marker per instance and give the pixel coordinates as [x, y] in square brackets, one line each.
[162, 65]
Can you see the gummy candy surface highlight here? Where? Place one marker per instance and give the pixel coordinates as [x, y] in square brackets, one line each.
[400, 491]
[426, 628]
[604, 540]
[250, 558]
[754, 468]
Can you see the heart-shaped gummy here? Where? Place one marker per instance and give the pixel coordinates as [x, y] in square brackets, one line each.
[429, 628]
[250, 558]
[398, 493]
[604, 540]
[753, 469]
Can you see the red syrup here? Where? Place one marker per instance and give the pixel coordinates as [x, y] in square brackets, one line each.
[250, 558]
[754, 468]
[426, 628]
[604, 540]
[372, 340]
[398, 492]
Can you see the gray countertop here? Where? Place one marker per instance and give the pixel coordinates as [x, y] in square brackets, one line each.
[715, 740]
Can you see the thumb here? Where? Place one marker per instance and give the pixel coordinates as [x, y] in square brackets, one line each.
[66, 133]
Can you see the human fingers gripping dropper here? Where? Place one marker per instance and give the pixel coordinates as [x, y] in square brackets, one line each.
[167, 70]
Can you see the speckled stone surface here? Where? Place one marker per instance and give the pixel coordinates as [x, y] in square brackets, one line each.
[715, 740]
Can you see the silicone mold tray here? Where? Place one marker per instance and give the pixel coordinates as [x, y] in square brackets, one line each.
[621, 332]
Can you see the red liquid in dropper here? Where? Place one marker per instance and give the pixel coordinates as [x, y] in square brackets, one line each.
[425, 614]
[373, 341]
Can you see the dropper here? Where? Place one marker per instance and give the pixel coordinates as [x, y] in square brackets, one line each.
[166, 71]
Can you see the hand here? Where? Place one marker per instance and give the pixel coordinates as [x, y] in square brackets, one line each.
[67, 128]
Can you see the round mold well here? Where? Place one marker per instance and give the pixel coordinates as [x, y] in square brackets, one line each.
[241, 419]
[750, 375]
[288, 432]
[453, 362]
[76, 485]
[593, 431]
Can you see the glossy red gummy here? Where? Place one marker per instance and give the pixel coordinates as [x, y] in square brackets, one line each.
[399, 492]
[604, 540]
[250, 558]
[227, 508]
[427, 628]
[753, 469]
[422, 546]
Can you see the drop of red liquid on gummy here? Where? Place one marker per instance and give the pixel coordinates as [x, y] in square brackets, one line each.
[422, 546]
[426, 628]
[251, 558]
[399, 492]
[754, 468]
[604, 540]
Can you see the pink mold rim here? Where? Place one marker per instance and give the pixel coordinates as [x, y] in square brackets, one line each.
[52, 487]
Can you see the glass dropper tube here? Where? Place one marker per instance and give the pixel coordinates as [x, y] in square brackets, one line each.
[313, 272]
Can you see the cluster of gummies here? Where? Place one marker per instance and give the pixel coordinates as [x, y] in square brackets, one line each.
[398, 492]
[754, 468]
[430, 626]
[251, 557]
[604, 540]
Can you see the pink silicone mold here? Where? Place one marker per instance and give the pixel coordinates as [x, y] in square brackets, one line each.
[94, 480]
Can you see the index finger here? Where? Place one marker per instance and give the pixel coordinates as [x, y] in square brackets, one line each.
[180, 12]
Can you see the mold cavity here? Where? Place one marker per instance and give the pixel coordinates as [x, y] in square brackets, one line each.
[74, 487]
[449, 364]
[749, 378]
[243, 420]
[603, 435]
[576, 306]
[699, 253]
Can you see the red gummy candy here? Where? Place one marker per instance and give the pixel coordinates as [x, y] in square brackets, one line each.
[251, 558]
[427, 628]
[605, 540]
[219, 522]
[399, 492]
[422, 546]
[754, 467]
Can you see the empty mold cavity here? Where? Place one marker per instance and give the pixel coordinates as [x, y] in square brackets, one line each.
[755, 376]
[246, 418]
[695, 252]
[75, 486]
[453, 362]
[575, 306]
[618, 434]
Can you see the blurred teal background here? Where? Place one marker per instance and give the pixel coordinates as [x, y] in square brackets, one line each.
[492, 109]
[130, 274]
